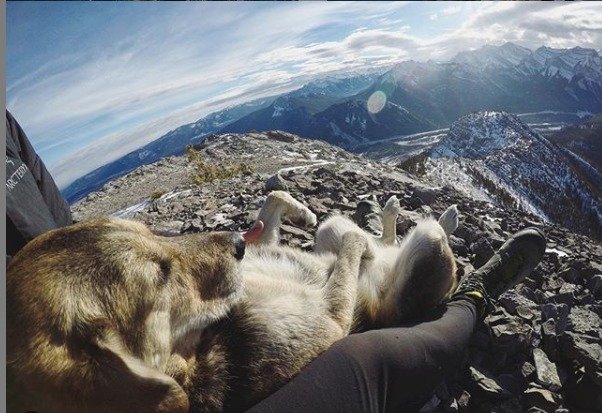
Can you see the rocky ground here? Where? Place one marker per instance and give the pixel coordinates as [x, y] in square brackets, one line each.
[540, 350]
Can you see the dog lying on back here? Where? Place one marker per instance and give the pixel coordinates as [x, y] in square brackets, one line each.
[105, 316]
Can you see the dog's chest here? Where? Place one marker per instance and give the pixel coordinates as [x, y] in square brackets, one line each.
[281, 269]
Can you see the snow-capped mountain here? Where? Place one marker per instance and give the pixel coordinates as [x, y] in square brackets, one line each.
[341, 85]
[493, 57]
[508, 77]
[422, 96]
[566, 63]
[413, 97]
[300, 111]
[494, 156]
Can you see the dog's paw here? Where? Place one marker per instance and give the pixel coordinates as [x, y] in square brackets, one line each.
[449, 220]
[301, 216]
[392, 207]
[294, 211]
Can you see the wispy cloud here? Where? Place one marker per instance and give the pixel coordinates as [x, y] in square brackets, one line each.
[91, 82]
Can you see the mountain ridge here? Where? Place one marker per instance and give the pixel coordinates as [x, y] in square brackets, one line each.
[418, 96]
[495, 156]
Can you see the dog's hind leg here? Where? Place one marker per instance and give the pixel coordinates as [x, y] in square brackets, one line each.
[390, 212]
[329, 235]
[281, 205]
[449, 220]
[423, 275]
[340, 291]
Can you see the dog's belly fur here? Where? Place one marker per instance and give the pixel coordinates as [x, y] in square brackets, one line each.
[279, 325]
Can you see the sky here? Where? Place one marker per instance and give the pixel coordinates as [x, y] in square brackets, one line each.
[91, 81]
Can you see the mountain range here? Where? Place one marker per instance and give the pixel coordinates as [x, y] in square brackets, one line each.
[422, 96]
[410, 97]
[496, 157]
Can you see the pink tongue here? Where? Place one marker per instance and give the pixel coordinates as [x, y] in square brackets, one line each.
[254, 233]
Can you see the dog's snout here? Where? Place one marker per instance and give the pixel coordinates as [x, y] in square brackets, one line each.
[239, 245]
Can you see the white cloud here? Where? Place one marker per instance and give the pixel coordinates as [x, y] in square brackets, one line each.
[100, 109]
[452, 10]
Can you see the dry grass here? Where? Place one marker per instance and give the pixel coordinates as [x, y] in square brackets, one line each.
[205, 171]
[157, 194]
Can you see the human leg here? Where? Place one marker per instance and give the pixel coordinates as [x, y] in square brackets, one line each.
[381, 370]
[398, 368]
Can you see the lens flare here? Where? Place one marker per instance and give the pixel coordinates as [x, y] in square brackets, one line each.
[376, 102]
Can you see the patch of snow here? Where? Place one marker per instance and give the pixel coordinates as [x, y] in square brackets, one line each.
[173, 194]
[556, 251]
[295, 168]
[131, 210]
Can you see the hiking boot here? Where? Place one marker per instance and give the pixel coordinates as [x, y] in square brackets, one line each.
[519, 255]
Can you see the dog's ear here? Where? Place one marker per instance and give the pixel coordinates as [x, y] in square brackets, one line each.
[130, 384]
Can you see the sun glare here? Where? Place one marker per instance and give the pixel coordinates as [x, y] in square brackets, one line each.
[376, 102]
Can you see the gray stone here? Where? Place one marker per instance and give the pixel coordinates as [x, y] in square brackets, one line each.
[512, 337]
[431, 405]
[406, 221]
[298, 232]
[493, 228]
[558, 312]
[317, 206]
[415, 202]
[170, 228]
[594, 284]
[427, 195]
[451, 406]
[458, 245]
[281, 136]
[553, 284]
[512, 301]
[527, 370]
[464, 232]
[586, 350]
[549, 339]
[368, 215]
[570, 274]
[547, 372]
[482, 250]
[540, 398]
[527, 292]
[514, 383]
[464, 400]
[487, 386]
[584, 321]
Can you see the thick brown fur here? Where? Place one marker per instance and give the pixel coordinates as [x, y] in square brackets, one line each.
[96, 309]
[104, 316]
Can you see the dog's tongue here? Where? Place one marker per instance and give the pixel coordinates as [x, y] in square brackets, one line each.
[254, 233]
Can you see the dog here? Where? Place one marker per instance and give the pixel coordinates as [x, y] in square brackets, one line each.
[105, 316]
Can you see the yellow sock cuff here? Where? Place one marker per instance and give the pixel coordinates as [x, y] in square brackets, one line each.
[476, 294]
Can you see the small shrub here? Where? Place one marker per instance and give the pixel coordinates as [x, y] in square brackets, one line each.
[157, 194]
[205, 172]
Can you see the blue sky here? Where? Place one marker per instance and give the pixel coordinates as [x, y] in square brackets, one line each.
[90, 82]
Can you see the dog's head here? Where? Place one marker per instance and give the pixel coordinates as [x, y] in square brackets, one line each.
[104, 303]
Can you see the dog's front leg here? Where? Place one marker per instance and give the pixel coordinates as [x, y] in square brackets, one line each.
[341, 288]
[277, 206]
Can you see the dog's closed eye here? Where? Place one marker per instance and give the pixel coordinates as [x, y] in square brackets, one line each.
[165, 269]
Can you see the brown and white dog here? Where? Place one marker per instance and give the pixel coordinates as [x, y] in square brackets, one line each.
[105, 316]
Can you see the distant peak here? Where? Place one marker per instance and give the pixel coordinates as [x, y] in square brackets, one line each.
[483, 133]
